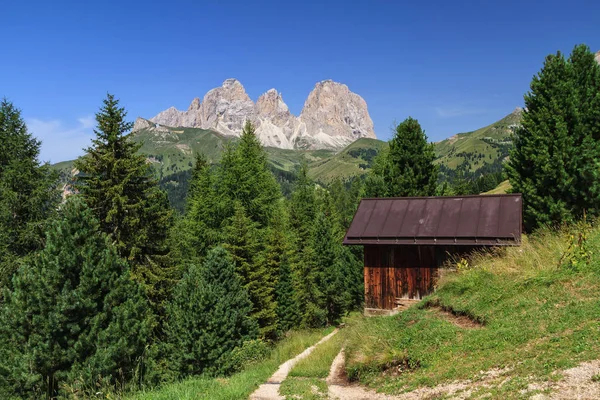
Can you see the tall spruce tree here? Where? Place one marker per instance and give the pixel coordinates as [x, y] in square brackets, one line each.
[305, 275]
[246, 177]
[554, 162]
[209, 316]
[74, 313]
[274, 261]
[200, 228]
[28, 191]
[117, 184]
[256, 274]
[326, 245]
[407, 168]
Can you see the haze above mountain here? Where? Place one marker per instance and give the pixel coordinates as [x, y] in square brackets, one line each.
[332, 116]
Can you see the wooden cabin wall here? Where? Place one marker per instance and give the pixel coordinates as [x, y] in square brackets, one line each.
[403, 272]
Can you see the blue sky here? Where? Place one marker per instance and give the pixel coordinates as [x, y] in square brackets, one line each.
[455, 66]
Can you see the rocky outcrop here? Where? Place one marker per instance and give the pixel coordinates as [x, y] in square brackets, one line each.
[598, 57]
[275, 124]
[332, 116]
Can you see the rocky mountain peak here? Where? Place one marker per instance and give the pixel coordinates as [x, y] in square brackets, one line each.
[231, 82]
[195, 104]
[271, 103]
[332, 109]
[332, 117]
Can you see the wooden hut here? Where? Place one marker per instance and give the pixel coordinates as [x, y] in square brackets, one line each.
[407, 240]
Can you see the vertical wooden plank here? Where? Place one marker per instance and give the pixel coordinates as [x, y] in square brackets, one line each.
[367, 286]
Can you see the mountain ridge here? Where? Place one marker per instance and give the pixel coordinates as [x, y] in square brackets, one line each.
[332, 117]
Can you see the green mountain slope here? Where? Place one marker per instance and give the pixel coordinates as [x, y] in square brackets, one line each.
[354, 160]
[486, 147]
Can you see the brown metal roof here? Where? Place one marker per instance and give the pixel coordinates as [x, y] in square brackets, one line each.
[488, 220]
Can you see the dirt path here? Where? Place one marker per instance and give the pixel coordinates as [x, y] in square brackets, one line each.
[270, 390]
[581, 382]
[340, 389]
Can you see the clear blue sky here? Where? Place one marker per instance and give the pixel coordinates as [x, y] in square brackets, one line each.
[455, 66]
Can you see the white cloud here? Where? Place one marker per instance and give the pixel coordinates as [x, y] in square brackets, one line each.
[61, 142]
[458, 111]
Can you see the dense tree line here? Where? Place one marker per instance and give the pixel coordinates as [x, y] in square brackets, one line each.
[109, 288]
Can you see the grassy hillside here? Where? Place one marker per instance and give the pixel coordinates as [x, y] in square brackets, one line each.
[354, 160]
[502, 188]
[530, 316]
[474, 150]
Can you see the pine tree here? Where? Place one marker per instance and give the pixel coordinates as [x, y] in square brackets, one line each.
[305, 276]
[208, 316]
[554, 162]
[406, 168]
[200, 228]
[586, 78]
[28, 192]
[274, 260]
[327, 266]
[246, 177]
[288, 311]
[257, 276]
[73, 314]
[118, 186]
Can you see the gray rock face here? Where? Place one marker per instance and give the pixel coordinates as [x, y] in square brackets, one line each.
[332, 116]
[274, 123]
[598, 57]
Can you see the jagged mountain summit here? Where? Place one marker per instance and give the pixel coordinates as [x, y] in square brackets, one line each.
[332, 116]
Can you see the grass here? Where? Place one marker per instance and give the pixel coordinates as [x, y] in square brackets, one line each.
[538, 316]
[448, 152]
[240, 385]
[317, 364]
[502, 188]
[307, 379]
[304, 388]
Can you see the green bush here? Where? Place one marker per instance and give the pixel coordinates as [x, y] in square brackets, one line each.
[249, 353]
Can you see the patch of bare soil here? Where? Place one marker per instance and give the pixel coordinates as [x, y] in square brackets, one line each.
[581, 382]
[462, 321]
[341, 389]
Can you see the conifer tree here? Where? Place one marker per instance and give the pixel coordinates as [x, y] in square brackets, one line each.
[200, 228]
[274, 260]
[406, 168]
[74, 313]
[28, 191]
[288, 311]
[209, 316]
[305, 276]
[326, 244]
[246, 177]
[257, 276]
[554, 162]
[409, 170]
[117, 184]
